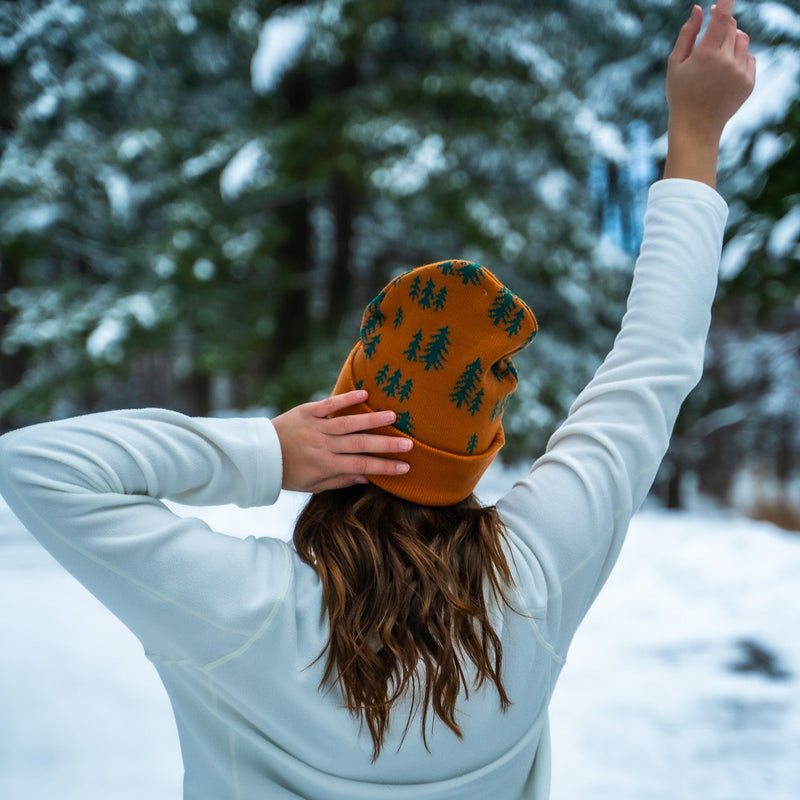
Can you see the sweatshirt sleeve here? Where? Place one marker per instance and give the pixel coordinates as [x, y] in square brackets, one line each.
[568, 518]
[90, 489]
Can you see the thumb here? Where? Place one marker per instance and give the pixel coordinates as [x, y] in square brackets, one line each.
[688, 35]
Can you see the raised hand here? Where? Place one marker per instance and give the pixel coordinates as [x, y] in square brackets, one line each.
[322, 451]
[706, 86]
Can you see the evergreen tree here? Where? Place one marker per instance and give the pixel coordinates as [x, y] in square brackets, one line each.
[405, 391]
[501, 307]
[477, 402]
[441, 299]
[472, 445]
[514, 325]
[370, 345]
[413, 291]
[398, 317]
[465, 385]
[393, 384]
[382, 375]
[404, 422]
[427, 296]
[435, 354]
[412, 351]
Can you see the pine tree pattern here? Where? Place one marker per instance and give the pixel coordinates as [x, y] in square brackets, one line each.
[472, 445]
[359, 384]
[446, 267]
[413, 290]
[513, 327]
[398, 317]
[426, 298]
[405, 391]
[393, 384]
[412, 351]
[404, 422]
[435, 355]
[499, 408]
[477, 401]
[441, 298]
[383, 374]
[370, 345]
[501, 307]
[470, 273]
[466, 383]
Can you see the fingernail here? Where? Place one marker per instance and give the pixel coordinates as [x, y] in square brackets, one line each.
[362, 394]
[402, 467]
[405, 444]
[387, 416]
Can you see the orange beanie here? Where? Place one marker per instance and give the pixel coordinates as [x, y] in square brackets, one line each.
[435, 347]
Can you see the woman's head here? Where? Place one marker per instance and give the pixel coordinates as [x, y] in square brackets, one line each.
[435, 347]
[407, 589]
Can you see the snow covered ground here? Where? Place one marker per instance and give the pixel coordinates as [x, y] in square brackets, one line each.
[683, 683]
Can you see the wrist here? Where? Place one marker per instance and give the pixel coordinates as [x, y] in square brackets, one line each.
[692, 154]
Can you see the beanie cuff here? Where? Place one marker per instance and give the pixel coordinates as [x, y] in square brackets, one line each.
[435, 477]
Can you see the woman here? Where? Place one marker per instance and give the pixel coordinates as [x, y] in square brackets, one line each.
[408, 644]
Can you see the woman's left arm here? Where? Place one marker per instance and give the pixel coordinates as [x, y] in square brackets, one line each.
[90, 489]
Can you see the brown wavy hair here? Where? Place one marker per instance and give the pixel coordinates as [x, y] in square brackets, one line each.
[405, 587]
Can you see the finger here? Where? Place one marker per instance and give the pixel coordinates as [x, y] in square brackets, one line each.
[338, 402]
[370, 465]
[688, 35]
[720, 24]
[350, 423]
[742, 44]
[370, 443]
[723, 7]
[729, 40]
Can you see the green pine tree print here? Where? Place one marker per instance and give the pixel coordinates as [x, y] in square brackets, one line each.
[470, 273]
[359, 384]
[390, 390]
[441, 298]
[465, 385]
[426, 298]
[398, 317]
[404, 422]
[370, 345]
[473, 444]
[383, 373]
[412, 351]
[413, 291]
[513, 327]
[435, 354]
[477, 401]
[405, 391]
[446, 267]
[501, 307]
[498, 408]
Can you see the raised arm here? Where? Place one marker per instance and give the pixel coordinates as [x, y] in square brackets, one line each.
[567, 520]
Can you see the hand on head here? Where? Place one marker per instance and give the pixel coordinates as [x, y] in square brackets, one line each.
[707, 84]
[321, 451]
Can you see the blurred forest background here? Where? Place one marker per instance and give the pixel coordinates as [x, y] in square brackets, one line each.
[198, 197]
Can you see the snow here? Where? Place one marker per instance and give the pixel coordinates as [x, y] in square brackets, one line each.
[240, 170]
[785, 234]
[778, 19]
[661, 696]
[104, 340]
[280, 46]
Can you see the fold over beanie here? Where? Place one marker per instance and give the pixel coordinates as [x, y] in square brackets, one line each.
[435, 347]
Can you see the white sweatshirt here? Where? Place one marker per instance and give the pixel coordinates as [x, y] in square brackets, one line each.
[232, 625]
